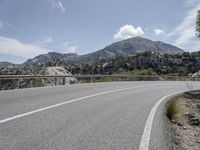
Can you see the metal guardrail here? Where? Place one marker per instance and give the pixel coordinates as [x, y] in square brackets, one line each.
[91, 77]
[7, 77]
[10, 77]
[13, 79]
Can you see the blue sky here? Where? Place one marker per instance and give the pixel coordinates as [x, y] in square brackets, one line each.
[32, 27]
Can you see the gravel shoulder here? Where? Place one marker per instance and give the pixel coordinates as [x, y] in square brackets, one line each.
[185, 123]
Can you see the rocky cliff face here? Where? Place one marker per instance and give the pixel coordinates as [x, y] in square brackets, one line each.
[42, 70]
[45, 59]
[60, 71]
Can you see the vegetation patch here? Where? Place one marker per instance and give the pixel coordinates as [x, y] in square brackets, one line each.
[183, 112]
[172, 109]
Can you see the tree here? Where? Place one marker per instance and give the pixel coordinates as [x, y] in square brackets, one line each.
[198, 24]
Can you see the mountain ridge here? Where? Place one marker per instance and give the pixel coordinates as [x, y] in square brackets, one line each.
[129, 47]
[126, 47]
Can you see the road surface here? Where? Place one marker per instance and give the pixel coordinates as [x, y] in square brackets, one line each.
[99, 116]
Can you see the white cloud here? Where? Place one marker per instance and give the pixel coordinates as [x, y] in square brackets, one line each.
[4, 24]
[60, 6]
[159, 32]
[13, 47]
[191, 3]
[185, 31]
[128, 31]
[55, 4]
[45, 40]
[69, 48]
[72, 49]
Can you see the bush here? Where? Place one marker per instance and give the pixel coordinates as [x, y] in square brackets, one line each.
[172, 109]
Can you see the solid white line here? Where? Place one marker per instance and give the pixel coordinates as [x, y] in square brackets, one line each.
[63, 103]
[144, 143]
[70, 101]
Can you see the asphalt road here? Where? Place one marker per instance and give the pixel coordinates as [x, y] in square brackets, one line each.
[100, 116]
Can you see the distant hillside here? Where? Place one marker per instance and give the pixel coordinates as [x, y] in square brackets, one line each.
[146, 63]
[178, 64]
[44, 59]
[4, 64]
[129, 47]
[118, 49]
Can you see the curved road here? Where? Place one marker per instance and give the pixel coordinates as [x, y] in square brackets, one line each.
[100, 116]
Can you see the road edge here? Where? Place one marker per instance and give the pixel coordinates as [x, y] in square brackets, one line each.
[145, 140]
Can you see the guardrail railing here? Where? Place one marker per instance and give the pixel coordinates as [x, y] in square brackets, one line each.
[12, 79]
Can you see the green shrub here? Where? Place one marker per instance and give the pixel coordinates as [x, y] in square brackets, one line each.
[172, 109]
[39, 83]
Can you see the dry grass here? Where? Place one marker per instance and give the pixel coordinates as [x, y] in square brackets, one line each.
[172, 109]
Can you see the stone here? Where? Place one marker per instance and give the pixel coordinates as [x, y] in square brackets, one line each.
[173, 121]
[179, 123]
[198, 141]
[185, 128]
[186, 114]
[191, 115]
[194, 121]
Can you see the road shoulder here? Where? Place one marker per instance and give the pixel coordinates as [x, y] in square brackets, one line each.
[160, 134]
[185, 122]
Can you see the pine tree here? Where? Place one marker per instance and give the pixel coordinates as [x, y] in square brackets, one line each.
[198, 24]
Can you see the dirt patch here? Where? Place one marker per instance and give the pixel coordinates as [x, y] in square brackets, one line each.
[185, 124]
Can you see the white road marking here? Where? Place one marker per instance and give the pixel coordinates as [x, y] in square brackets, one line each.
[144, 143]
[70, 101]
[64, 103]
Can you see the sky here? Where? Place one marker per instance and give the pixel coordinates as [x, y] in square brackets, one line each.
[32, 27]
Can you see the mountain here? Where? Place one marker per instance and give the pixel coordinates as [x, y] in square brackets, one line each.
[130, 47]
[4, 64]
[178, 64]
[50, 57]
[122, 48]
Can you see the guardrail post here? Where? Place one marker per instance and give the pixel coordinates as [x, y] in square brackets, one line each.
[34, 81]
[91, 79]
[1, 85]
[15, 83]
[55, 78]
[63, 80]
